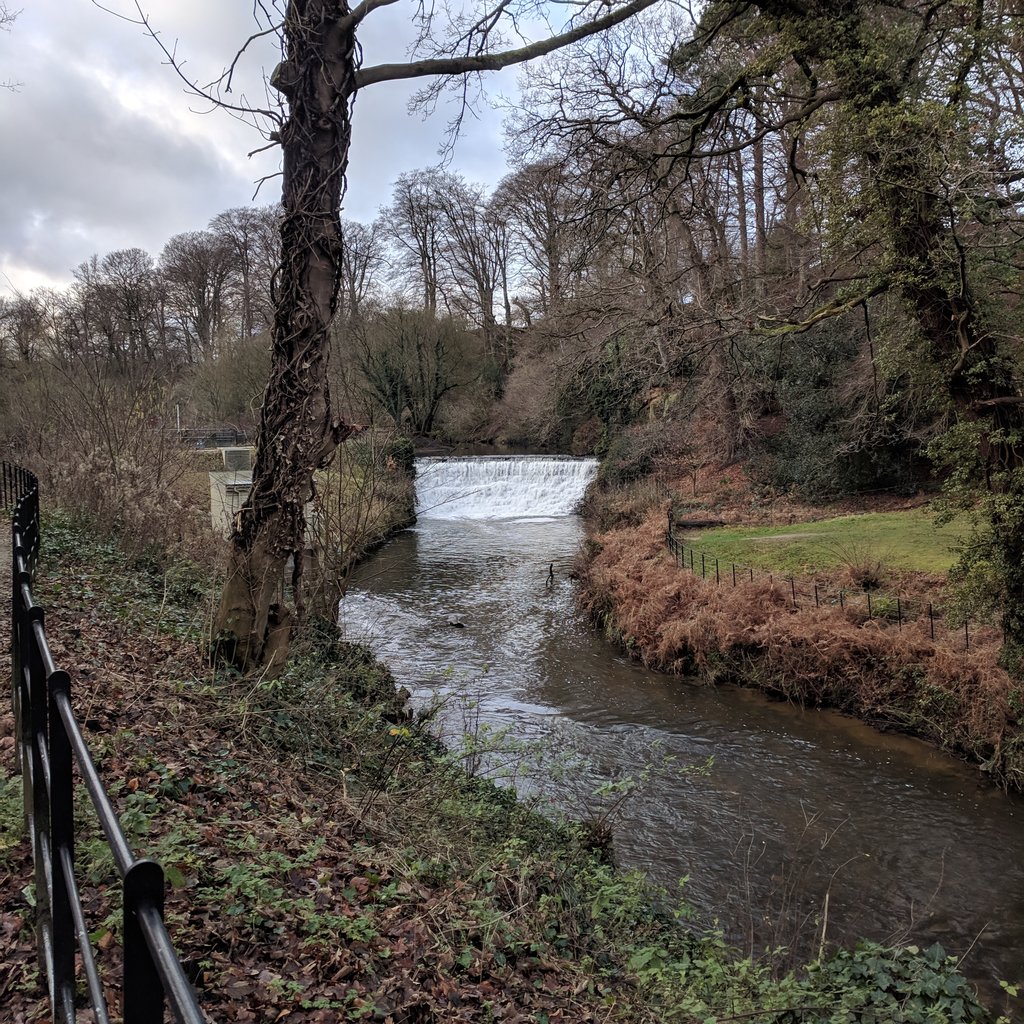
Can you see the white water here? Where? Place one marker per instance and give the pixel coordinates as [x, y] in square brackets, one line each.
[501, 487]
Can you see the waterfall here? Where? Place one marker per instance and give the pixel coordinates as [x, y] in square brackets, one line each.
[501, 487]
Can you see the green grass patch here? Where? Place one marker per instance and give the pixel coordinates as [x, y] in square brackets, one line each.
[896, 540]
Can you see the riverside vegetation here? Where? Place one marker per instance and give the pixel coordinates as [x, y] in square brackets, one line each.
[673, 620]
[329, 860]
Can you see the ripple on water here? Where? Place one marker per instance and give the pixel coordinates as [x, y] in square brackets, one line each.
[907, 842]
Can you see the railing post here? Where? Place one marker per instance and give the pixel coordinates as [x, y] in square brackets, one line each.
[42, 846]
[62, 833]
[143, 989]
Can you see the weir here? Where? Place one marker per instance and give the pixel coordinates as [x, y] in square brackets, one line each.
[501, 487]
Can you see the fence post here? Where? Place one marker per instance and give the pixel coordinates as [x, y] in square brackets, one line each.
[62, 832]
[816, 595]
[841, 605]
[792, 587]
[869, 603]
[691, 560]
[734, 574]
[717, 577]
[703, 567]
[143, 990]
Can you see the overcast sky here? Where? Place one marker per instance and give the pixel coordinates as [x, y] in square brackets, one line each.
[102, 149]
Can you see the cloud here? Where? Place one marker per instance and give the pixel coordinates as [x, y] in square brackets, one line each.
[94, 176]
[102, 149]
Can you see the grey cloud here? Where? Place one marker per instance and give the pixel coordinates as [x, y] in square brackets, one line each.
[80, 174]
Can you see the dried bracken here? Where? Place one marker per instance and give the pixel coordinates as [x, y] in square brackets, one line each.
[750, 634]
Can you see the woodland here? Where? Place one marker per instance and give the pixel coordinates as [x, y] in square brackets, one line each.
[784, 235]
[774, 241]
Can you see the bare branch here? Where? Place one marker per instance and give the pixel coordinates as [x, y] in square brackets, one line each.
[194, 88]
[360, 12]
[496, 61]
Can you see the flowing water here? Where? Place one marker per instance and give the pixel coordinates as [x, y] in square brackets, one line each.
[804, 820]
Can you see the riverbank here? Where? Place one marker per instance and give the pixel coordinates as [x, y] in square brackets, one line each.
[674, 621]
[329, 861]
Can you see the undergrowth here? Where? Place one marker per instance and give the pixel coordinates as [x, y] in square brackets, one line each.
[329, 859]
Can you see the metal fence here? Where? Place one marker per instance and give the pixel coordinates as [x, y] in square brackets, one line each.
[50, 745]
[212, 437]
[895, 609]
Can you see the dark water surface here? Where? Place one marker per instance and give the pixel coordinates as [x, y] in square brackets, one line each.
[907, 843]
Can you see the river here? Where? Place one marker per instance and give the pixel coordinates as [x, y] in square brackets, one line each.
[789, 821]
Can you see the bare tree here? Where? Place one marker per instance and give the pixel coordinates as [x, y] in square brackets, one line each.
[362, 260]
[412, 224]
[22, 323]
[544, 210]
[318, 79]
[252, 234]
[409, 360]
[198, 268]
[7, 19]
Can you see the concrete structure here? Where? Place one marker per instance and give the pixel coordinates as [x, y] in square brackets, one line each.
[228, 491]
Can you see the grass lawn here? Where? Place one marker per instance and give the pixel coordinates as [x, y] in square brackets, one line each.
[898, 540]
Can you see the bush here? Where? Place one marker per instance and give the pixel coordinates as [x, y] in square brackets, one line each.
[873, 985]
[633, 454]
[837, 438]
[374, 450]
[102, 443]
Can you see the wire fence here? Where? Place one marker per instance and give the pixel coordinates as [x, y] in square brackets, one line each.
[894, 609]
[50, 747]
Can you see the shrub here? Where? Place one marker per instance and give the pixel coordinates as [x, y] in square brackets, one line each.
[633, 454]
[837, 439]
[874, 985]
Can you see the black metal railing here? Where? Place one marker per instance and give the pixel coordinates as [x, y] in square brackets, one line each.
[896, 609]
[50, 745]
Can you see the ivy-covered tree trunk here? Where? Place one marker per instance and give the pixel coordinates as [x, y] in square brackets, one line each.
[297, 432]
[903, 133]
[904, 151]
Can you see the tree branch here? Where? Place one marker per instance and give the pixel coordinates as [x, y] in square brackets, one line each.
[496, 61]
[357, 14]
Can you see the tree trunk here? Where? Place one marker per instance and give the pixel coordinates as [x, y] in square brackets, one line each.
[297, 433]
